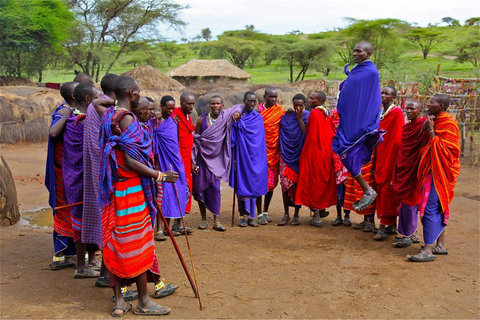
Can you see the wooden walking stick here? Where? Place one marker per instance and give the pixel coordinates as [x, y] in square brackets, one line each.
[69, 205]
[180, 256]
[188, 244]
[234, 183]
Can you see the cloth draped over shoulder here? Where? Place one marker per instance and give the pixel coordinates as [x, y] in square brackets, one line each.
[250, 154]
[292, 139]
[441, 158]
[135, 141]
[358, 106]
[405, 181]
[271, 119]
[316, 187]
[167, 153]
[213, 145]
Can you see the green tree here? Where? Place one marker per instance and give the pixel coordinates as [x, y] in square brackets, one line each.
[469, 48]
[250, 27]
[426, 38]
[451, 21]
[31, 34]
[169, 50]
[302, 55]
[206, 34]
[237, 50]
[474, 21]
[103, 22]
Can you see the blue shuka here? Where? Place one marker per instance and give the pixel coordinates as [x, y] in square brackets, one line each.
[292, 139]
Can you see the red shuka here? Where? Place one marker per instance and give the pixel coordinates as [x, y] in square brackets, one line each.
[316, 187]
[185, 141]
[386, 156]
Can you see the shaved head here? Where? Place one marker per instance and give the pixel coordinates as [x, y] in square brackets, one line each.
[67, 89]
[320, 95]
[270, 90]
[365, 46]
[84, 78]
[415, 103]
[186, 95]
[442, 99]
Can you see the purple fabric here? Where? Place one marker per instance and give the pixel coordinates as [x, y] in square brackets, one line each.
[432, 220]
[167, 153]
[92, 213]
[407, 220]
[292, 139]
[250, 154]
[137, 144]
[206, 187]
[73, 167]
[341, 193]
[358, 106]
[214, 144]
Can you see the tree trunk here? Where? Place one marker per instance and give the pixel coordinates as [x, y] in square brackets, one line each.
[9, 213]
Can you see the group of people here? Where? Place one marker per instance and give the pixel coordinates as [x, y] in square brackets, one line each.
[116, 168]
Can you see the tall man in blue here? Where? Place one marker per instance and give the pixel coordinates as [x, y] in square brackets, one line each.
[359, 106]
[249, 160]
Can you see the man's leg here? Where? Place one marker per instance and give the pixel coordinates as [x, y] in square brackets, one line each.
[286, 215]
[119, 301]
[369, 194]
[203, 211]
[145, 304]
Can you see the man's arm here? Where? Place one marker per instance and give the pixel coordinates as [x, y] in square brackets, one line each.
[101, 105]
[58, 127]
[299, 114]
[198, 125]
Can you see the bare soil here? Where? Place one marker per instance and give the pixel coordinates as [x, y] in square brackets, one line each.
[268, 272]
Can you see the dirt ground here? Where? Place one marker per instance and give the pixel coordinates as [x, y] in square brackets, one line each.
[268, 272]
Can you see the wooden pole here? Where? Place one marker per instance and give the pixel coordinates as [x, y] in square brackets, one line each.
[234, 183]
[69, 205]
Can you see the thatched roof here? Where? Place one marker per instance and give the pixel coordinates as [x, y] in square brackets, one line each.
[208, 68]
[15, 81]
[150, 78]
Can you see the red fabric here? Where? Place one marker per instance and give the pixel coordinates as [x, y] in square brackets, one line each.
[271, 120]
[353, 191]
[386, 156]
[405, 180]
[185, 141]
[316, 181]
[441, 157]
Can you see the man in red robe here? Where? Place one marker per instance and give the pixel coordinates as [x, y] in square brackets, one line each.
[185, 139]
[437, 174]
[405, 182]
[316, 187]
[272, 114]
[392, 121]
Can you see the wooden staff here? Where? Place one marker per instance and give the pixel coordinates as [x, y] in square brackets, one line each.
[180, 256]
[69, 205]
[188, 244]
[234, 183]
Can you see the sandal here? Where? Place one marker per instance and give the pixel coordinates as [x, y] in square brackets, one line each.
[365, 201]
[203, 225]
[86, 273]
[267, 217]
[241, 222]
[128, 295]
[380, 236]
[284, 220]
[60, 263]
[261, 219]
[102, 282]
[324, 214]
[318, 223]
[437, 250]
[218, 227]
[127, 308]
[338, 221]
[162, 290]
[252, 223]
[369, 227]
[347, 222]
[421, 257]
[403, 242]
[181, 230]
[174, 233]
[360, 225]
[295, 221]
[156, 310]
[391, 229]
[159, 236]
[415, 238]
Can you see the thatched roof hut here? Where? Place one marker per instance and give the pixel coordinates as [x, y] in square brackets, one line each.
[150, 78]
[209, 71]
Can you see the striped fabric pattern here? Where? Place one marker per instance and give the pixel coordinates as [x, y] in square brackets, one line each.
[62, 219]
[353, 191]
[128, 248]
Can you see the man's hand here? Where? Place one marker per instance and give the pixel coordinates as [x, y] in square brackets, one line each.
[236, 116]
[172, 176]
[299, 113]
[290, 111]
[176, 119]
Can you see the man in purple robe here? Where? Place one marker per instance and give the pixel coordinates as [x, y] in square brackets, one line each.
[359, 106]
[248, 175]
[212, 155]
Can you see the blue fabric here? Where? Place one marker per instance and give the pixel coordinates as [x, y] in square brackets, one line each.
[432, 220]
[250, 157]
[136, 142]
[167, 152]
[63, 243]
[358, 106]
[292, 139]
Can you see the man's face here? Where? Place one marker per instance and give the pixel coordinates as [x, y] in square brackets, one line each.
[250, 103]
[187, 105]
[270, 98]
[413, 110]
[433, 107]
[141, 111]
[298, 104]
[168, 109]
[387, 96]
[151, 110]
[314, 101]
[135, 96]
[360, 54]
[216, 106]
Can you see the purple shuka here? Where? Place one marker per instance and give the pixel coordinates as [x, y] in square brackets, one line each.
[60, 242]
[92, 213]
[73, 167]
[407, 220]
[359, 106]
[167, 153]
[292, 139]
[249, 175]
